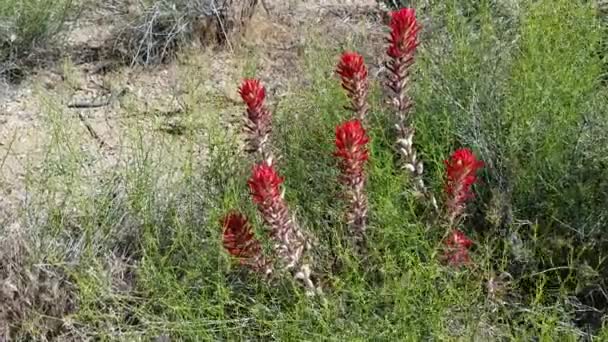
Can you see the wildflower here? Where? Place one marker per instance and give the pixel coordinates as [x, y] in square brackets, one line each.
[351, 140]
[238, 239]
[265, 185]
[456, 252]
[258, 119]
[402, 45]
[353, 72]
[403, 39]
[288, 241]
[461, 175]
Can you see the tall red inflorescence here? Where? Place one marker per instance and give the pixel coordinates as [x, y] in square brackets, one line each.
[265, 187]
[351, 141]
[456, 248]
[238, 239]
[403, 41]
[258, 119]
[461, 174]
[402, 45]
[353, 73]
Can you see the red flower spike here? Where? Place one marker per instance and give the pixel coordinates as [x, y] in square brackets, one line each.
[265, 184]
[402, 45]
[238, 239]
[351, 139]
[258, 119]
[404, 27]
[253, 93]
[353, 72]
[456, 252]
[350, 148]
[461, 173]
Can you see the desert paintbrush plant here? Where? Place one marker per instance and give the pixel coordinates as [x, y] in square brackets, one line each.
[258, 119]
[461, 174]
[403, 42]
[353, 73]
[288, 241]
[456, 248]
[351, 141]
[240, 242]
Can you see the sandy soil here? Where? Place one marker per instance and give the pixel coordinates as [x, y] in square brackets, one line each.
[277, 35]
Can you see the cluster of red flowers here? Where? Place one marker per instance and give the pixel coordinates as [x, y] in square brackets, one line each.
[461, 174]
[264, 185]
[353, 72]
[403, 41]
[240, 242]
[258, 119]
[351, 141]
[289, 243]
[456, 248]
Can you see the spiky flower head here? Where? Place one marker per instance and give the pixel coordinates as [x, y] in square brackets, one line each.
[456, 248]
[253, 93]
[461, 174]
[240, 242]
[264, 184]
[258, 119]
[403, 39]
[351, 141]
[353, 73]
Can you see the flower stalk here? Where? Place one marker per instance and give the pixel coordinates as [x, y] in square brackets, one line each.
[258, 119]
[461, 174]
[288, 240]
[403, 42]
[239, 241]
[353, 74]
[351, 141]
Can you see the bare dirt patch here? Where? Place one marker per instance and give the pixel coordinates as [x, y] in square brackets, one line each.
[105, 95]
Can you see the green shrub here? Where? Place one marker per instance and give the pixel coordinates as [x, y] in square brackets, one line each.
[27, 27]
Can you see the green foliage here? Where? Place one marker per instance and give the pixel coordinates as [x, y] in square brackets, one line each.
[27, 26]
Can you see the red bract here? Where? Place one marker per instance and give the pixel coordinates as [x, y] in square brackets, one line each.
[457, 246]
[461, 175]
[252, 92]
[265, 184]
[238, 239]
[258, 119]
[403, 41]
[350, 148]
[404, 27]
[353, 72]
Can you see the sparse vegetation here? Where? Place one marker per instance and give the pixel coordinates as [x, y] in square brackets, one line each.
[27, 28]
[127, 244]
